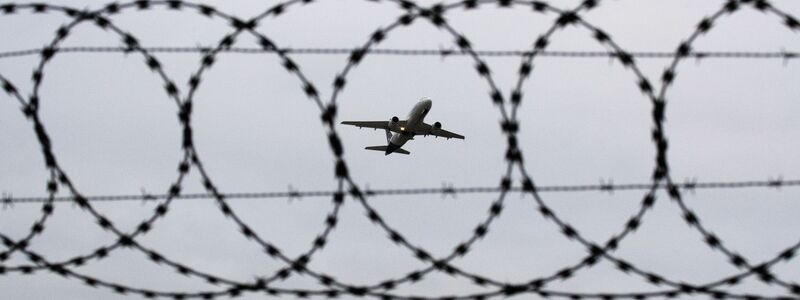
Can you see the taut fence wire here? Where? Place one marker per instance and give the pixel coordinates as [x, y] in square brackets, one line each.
[445, 190]
[783, 54]
[507, 104]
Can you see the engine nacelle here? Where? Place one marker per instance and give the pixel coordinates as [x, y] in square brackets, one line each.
[393, 122]
[437, 125]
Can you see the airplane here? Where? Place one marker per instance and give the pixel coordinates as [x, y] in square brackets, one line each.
[405, 130]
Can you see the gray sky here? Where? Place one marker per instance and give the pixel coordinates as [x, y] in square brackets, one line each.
[115, 131]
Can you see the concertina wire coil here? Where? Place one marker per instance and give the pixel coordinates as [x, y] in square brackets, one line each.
[347, 186]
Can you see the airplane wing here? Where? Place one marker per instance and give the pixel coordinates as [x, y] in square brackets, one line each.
[425, 129]
[375, 124]
[368, 124]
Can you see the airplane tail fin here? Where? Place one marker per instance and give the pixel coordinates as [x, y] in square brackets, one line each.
[384, 148]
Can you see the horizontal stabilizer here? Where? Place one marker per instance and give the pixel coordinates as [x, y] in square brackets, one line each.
[383, 148]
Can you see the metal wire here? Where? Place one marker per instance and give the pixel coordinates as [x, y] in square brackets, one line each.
[386, 288]
[444, 191]
[785, 55]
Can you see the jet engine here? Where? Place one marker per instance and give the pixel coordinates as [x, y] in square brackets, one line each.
[437, 125]
[393, 122]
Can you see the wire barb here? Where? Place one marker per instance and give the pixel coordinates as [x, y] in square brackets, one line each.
[8, 201]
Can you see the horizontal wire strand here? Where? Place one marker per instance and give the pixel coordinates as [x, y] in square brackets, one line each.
[414, 52]
[446, 190]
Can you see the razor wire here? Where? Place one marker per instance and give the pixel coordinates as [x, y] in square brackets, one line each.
[347, 186]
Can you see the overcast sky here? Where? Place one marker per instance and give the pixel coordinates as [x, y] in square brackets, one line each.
[583, 121]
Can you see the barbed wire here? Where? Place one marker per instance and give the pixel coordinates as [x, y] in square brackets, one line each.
[8, 199]
[347, 185]
[783, 54]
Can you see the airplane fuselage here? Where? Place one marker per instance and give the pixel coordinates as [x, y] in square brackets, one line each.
[405, 133]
